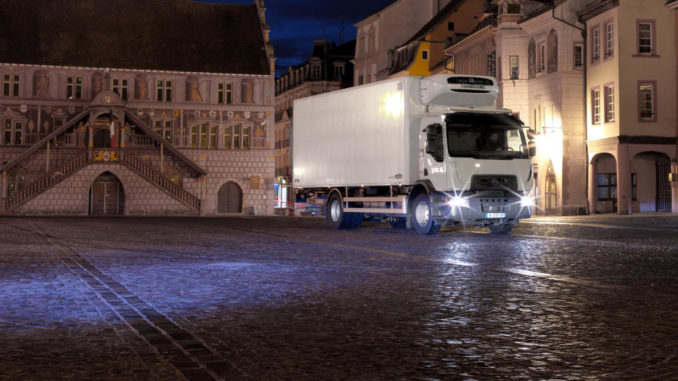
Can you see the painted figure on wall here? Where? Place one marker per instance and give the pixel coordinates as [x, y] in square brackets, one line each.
[81, 133]
[141, 87]
[193, 90]
[97, 83]
[40, 84]
[247, 94]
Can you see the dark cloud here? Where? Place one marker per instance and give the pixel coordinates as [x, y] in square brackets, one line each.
[296, 23]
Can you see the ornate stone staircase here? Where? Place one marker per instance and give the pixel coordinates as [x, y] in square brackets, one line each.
[46, 182]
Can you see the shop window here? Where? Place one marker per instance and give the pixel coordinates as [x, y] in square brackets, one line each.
[607, 186]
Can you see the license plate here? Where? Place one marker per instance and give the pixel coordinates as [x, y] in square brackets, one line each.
[495, 215]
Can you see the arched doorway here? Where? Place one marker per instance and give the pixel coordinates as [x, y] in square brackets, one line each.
[650, 186]
[229, 198]
[106, 196]
[550, 190]
[102, 131]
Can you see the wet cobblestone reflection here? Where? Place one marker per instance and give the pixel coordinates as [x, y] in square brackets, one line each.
[288, 299]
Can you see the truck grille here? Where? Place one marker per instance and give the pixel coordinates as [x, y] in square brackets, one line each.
[492, 182]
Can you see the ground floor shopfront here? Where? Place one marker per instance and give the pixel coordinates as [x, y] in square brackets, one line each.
[632, 174]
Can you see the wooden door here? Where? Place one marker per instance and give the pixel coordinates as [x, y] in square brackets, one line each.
[105, 198]
[229, 198]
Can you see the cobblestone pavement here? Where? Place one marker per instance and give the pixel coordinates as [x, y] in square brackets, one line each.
[267, 298]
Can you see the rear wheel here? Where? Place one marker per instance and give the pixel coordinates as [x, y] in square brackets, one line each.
[337, 218]
[501, 228]
[422, 215]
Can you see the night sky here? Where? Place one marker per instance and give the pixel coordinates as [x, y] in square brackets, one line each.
[296, 23]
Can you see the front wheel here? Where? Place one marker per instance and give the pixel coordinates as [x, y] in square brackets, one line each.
[501, 228]
[422, 215]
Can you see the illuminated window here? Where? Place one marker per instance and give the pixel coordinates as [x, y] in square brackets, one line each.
[609, 40]
[194, 137]
[236, 136]
[609, 103]
[74, 87]
[213, 137]
[10, 85]
[595, 106]
[203, 135]
[595, 45]
[163, 91]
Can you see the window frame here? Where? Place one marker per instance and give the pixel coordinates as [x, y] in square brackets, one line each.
[491, 58]
[11, 84]
[541, 57]
[514, 71]
[609, 102]
[611, 184]
[120, 87]
[653, 38]
[578, 46]
[9, 126]
[595, 105]
[74, 87]
[608, 48]
[595, 44]
[225, 93]
[653, 85]
[163, 90]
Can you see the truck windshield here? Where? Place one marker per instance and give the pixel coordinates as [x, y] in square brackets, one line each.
[485, 136]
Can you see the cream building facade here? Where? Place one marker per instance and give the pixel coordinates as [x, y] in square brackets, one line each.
[385, 30]
[631, 105]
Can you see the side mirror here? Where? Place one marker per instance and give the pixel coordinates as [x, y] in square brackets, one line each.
[531, 146]
[434, 142]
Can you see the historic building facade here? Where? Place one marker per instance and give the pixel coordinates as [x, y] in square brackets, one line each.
[535, 51]
[329, 68]
[137, 116]
[386, 29]
[631, 103]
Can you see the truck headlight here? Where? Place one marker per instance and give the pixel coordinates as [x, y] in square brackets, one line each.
[526, 201]
[458, 202]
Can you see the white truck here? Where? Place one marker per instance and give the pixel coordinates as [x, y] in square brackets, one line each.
[419, 152]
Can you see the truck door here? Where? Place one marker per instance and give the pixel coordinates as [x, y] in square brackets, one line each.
[433, 152]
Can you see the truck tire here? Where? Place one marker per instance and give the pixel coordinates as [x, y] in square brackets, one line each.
[422, 215]
[501, 228]
[335, 216]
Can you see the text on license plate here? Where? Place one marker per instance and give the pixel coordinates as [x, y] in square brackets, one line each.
[495, 215]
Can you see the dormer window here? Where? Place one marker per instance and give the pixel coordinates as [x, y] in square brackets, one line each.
[315, 71]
